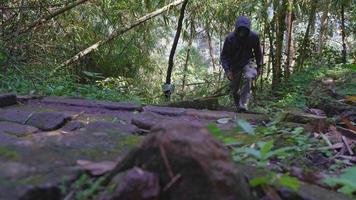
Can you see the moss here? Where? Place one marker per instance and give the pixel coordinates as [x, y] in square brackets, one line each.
[31, 180]
[8, 153]
[127, 142]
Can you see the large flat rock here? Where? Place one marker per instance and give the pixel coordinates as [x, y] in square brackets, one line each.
[103, 126]
[16, 130]
[14, 115]
[170, 111]
[48, 121]
[92, 104]
[146, 120]
[7, 100]
[214, 115]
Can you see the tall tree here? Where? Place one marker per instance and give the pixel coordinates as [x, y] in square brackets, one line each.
[324, 21]
[167, 93]
[185, 70]
[305, 43]
[343, 33]
[280, 28]
[287, 66]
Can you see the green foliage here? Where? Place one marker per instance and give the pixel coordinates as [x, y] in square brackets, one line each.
[304, 88]
[260, 155]
[346, 181]
[7, 153]
[277, 180]
[246, 126]
[84, 187]
[31, 81]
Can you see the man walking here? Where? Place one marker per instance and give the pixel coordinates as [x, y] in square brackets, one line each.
[240, 47]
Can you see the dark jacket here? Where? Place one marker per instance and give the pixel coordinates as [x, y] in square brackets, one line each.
[237, 52]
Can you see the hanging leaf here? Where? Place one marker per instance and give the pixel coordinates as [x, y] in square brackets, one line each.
[246, 126]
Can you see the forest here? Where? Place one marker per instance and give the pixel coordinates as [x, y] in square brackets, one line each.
[105, 99]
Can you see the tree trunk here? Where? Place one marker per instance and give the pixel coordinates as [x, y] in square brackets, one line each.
[174, 47]
[324, 20]
[305, 43]
[117, 33]
[280, 27]
[185, 71]
[210, 49]
[287, 66]
[343, 32]
[271, 58]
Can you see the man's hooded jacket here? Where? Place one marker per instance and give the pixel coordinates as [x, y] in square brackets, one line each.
[238, 50]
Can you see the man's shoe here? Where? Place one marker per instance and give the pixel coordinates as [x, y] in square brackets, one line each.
[242, 110]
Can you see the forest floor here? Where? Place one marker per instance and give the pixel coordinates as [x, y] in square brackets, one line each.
[62, 147]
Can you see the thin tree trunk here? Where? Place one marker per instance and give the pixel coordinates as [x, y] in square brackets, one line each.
[343, 32]
[323, 29]
[280, 27]
[175, 42]
[210, 49]
[289, 37]
[185, 71]
[174, 46]
[305, 43]
[271, 58]
[119, 32]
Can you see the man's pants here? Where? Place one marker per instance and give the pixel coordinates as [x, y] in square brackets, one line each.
[242, 95]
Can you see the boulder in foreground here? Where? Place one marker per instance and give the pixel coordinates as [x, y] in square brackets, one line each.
[189, 162]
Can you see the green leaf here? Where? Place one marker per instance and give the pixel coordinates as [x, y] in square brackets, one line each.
[253, 152]
[246, 126]
[290, 182]
[265, 149]
[347, 180]
[263, 180]
[215, 130]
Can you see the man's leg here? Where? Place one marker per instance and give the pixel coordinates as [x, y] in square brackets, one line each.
[235, 86]
[249, 73]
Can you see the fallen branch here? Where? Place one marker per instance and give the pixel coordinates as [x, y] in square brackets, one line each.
[48, 17]
[350, 158]
[117, 33]
[344, 140]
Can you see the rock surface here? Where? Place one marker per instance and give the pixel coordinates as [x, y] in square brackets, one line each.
[41, 140]
[189, 152]
[48, 121]
[7, 100]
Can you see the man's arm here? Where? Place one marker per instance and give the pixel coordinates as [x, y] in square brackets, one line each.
[226, 55]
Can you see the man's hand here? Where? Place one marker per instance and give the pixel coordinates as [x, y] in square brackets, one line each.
[258, 69]
[229, 75]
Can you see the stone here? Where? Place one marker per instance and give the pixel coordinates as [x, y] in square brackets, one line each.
[314, 123]
[138, 184]
[103, 126]
[7, 100]
[73, 126]
[48, 121]
[14, 115]
[17, 130]
[170, 111]
[146, 120]
[92, 104]
[190, 152]
[215, 115]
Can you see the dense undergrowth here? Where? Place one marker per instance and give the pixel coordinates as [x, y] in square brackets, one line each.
[309, 88]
